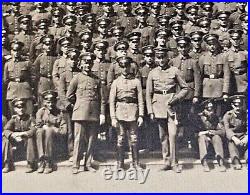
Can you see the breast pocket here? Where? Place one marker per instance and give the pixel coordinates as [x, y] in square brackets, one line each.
[219, 69]
[189, 74]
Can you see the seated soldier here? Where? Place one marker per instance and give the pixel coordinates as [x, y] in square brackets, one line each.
[49, 121]
[235, 122]
[19, 132]
[210, 132]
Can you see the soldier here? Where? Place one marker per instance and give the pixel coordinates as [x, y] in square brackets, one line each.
[161, 37]
[244, 26]
[57, 28]
[236, 126]
[81, 18]
[40, 12]
[36, 46]
[162, 21]
[66, 76]
[176, 30]
[86, 41]
[26, 35]
[88, 112]
[238, 61]
[205, 25]
[210, 131]
[49, 123]
[61, 62]
[134, 47]
[235, 17]
[161, 96]
[215, 72]
[127, 19]
[197, 44]
[126, 111]
[192, 15]
[19, 132]
[179, 12]
[103, 25]
[108, 12]
[44, 67]
[155, 12]
[143, 27]
[19, 76]
[191, 74]
[87, 22]
[206, 10]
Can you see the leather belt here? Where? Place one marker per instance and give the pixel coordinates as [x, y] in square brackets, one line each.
[165, 92]
[128, 100]
[18, 80]
[46, 76]
[213, 76]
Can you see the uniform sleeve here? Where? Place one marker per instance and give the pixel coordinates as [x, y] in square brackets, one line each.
[140, 98]
[227, 75]
[72, 88]
[62, 91]
[110, 75]
[9, 128]
[39, 120]
[55, 74]
[197, 79]
[183, 86]
[32, 51]
[220, 130]
[112, 98]
[149, 93]
[229, 131]
[32, 128]
[103, 98]
[62, 125]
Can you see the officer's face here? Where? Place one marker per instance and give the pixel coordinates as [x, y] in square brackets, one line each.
[86, 65]
[108, 8]
[161, 41]
[235, 42]
[242, 6]
[125, 70]
[192, 16]
[64, 48]
[237, 107]
[121, 53]
[25, 26]
[244, 25]
[102, 30]
[176, 31]
[86, 45]
[142, 18]
[149, 58]
[49, 104]
[161, 60]
[223, 21]
[196, 43]
[180, 11]
[70, 27]
[212, 47]
[57, 19]
[205, 29]
[19, 110]
[126, 8]
[47, 47]
[100, 53]
[183, 49]
[134, 44]
[16, 53]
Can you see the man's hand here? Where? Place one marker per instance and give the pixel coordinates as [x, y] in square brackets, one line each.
[195, 100]
[45, 127]
[203, 133]
[152, 116]
[211, 132]
[244, 141]
[18, 139]
[236, 141]
[102, 119]
[139, 121]
[225, 97]
[114, 123]
[172, 101]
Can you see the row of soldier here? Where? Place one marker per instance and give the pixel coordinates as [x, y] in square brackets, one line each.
[166, 68]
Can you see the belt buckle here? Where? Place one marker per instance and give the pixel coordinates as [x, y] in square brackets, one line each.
[17, 80]
[212, 76]
[164, 92]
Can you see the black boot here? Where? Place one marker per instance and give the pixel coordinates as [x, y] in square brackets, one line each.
[120, 157]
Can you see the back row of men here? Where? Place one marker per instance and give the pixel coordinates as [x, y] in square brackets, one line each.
[170, 64]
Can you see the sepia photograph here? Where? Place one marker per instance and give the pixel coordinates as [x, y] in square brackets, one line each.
[129, 97]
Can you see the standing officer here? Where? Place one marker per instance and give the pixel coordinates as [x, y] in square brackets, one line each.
[40, 12]
[192, 15]
[210, 131]
[103, 25]
[18, 131]
[191, 73]
[44, 66]
[236, 126]
[197, 45]
[237, 59]
[87, 22]
[126, 110]
[161, 96]
[19, 76]
[88, 112]
[215, 72]
[86, 41]
[49, 122]
[66, 76]
[161, 37]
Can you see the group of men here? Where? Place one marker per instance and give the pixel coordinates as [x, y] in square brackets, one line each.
[77, 69]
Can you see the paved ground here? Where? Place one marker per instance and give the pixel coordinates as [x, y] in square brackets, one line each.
[192, 179]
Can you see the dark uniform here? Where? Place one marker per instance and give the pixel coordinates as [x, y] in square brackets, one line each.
[210, 131]
[19, 132]
[49, 123]
[236, 126]
[19, 76]
[126, 105]
[88, 110]
[161, 95]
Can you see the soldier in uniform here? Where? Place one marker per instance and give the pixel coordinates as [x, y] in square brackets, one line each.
[126, 110]
[49, 122]
[244, 26]
[18, 132]
[88, 111]
[103, 25]
[87, 22]
[61, 63]
[236, 126]
[192, 15]
[235, 17]
[134, 47]
[86, 41]
[237, 59]
[210, 131]
[44, 66]
[161, 37]
[215, 72]
[19, 76]
[198, 46]
[191, 74]
[161, 96]
[179, 12]
[205, 25]
[66, 76]
[26, 35]
[155, 12]
[40, 12]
